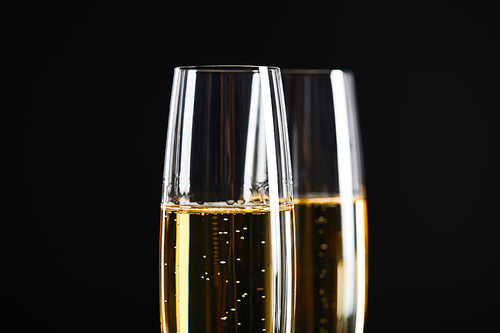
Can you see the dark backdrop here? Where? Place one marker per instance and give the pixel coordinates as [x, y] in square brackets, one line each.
[94, 83]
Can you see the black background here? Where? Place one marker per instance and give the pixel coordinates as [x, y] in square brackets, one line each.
[94, 83]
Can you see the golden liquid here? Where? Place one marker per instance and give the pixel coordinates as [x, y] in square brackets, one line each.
[321, 267]
[218, 271]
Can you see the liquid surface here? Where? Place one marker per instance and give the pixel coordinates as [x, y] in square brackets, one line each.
[220, 268]
[323, 303]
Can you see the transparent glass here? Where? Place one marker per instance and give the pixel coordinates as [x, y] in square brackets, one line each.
[227, 228]
[329, 195]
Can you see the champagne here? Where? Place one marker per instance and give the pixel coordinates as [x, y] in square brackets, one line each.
[220, 268]
[321, 304]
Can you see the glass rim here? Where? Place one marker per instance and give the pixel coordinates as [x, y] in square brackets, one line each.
[305, 71]
[225, 68]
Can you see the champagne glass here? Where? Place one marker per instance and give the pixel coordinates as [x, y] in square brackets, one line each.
[227, 221]
[329, 195]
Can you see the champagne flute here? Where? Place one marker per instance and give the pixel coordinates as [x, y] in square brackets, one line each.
[329, 197]
[227, 221]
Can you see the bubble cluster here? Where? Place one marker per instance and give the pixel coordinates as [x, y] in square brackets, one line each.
[232, 258]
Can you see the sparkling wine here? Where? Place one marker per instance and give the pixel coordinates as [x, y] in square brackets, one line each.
[220, 269]
[320, 267]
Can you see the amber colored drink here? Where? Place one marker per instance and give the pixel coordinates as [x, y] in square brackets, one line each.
[218, 269]
[320, 266]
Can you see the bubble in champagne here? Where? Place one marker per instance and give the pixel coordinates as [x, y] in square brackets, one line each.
[230, 202]
[257, 200]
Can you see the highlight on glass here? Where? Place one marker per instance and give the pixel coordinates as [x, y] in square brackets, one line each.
[330, 205]
[227, 222]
